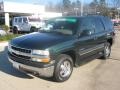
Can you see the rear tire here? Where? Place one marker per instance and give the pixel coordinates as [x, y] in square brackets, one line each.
[107, 51]
[15, 30]
[63, 68]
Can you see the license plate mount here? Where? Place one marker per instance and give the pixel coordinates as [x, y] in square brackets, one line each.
[16, 65]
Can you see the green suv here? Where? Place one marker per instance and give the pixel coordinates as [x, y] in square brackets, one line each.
[61, 44]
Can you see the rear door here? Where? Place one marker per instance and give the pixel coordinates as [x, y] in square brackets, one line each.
[100, 34]
[109, 29]
[19, 23]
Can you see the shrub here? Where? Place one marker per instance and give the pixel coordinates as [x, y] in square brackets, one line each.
[8, 37]
[5, 27]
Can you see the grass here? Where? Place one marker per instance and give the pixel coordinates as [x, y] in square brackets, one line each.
[8, 37]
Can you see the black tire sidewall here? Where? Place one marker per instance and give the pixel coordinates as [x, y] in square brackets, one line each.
[104, 54]
[32, 29]
[61, 59]
[15, 30]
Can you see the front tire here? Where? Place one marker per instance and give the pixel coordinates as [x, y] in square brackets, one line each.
[63, 68]
[33, 29]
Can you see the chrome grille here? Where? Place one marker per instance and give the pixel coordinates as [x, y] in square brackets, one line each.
[21, 52]
[21, 49]
[21, 56]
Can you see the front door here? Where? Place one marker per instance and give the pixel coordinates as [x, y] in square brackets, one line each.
[25, 24]
[86, 44]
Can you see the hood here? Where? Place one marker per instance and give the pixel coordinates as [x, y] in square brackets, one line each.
[39, 41]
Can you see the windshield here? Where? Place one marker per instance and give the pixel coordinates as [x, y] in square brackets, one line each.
[61, 25]
[34, 19]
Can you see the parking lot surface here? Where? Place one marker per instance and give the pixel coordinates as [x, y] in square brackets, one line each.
[95, 75]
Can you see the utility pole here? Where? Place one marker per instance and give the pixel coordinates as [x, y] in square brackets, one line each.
[82, 7]
[76, 11]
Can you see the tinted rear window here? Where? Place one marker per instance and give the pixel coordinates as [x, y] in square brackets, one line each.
[99, 27]
[107, 23]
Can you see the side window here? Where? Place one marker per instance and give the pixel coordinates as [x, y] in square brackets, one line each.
[15, 19]
[99, 27]
[87, 27]
[108, 24]
[25, 20]
[20, 20]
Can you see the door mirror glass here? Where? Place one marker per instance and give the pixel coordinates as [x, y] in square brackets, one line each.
[86, 32]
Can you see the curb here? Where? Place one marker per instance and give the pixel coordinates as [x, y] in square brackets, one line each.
[3, 44]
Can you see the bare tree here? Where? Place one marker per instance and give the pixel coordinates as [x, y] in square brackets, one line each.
[115, 11]
[50, 6]
[93, 7]
[115, 3]
[66, 5]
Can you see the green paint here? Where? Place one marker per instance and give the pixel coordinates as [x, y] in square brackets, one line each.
[72, 20]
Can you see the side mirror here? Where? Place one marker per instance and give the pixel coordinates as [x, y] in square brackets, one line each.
[87, 32]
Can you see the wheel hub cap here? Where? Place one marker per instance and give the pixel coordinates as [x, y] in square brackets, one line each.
[65, 69]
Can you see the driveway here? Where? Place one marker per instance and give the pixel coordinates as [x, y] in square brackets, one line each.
[95, 75]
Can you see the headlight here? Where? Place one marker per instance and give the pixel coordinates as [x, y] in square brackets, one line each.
[40, 52]
[45, 53]
[9, 47]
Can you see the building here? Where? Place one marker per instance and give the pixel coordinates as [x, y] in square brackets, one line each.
[12, 9]
[8, 9]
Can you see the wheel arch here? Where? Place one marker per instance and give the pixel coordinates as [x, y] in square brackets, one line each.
[110, 40]
[72, 54]
[16, 27]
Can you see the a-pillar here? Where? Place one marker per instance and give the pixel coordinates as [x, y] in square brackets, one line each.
[7, 19]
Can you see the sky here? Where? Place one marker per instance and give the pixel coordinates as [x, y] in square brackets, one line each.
[44, 2]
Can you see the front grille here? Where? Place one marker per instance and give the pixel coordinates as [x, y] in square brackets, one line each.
[21, 49]
[20, 56]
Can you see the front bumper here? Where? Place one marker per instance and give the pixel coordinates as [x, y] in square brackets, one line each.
[46, 72]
